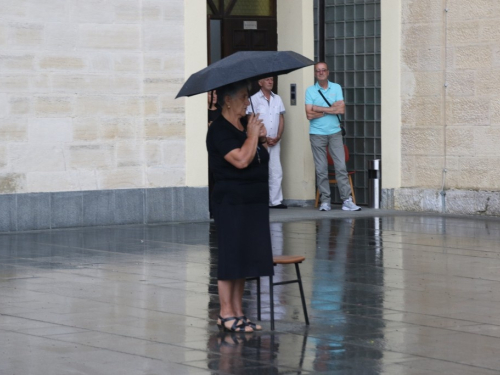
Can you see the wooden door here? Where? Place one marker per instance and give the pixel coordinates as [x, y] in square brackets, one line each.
[249, 34]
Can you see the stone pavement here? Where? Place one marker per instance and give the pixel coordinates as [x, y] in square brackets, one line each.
[387, 292]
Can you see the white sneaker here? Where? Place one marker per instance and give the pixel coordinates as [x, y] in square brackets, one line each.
[350, 206]
[325, 207]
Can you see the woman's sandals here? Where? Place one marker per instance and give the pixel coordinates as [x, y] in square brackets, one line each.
[235, 327]
[249, 323]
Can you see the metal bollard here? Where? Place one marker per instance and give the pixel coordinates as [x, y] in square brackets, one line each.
[374, 186]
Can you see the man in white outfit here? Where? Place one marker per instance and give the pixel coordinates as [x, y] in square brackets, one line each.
[271, 109]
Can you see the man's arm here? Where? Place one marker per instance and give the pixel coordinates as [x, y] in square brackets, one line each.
[311, 114]
[281, 127]
[337, 108]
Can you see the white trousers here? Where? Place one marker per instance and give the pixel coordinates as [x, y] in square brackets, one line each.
[275, 175]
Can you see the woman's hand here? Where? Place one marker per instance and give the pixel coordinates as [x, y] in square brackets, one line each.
[255, 126]
[242, 157]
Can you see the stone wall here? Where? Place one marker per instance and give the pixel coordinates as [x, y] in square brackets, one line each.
[90, 133]
[87, 95]
[450, 105]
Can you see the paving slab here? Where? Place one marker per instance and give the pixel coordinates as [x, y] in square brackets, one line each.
[387, 292]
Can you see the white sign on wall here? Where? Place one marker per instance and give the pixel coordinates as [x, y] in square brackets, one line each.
[250, 25]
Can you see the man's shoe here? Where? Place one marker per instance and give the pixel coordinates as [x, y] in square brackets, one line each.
[325, 207]
[281, 205]
[350, 206]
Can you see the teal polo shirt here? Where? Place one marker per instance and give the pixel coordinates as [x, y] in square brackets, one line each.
[328, 124]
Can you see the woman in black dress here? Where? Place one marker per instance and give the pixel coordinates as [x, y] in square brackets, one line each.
[239, 160]
[214, 109]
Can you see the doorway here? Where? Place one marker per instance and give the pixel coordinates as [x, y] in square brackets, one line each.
[240, 25]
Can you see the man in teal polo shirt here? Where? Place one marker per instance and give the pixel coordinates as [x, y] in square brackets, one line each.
[324, 131]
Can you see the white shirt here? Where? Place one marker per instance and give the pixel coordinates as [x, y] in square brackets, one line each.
[269, 111]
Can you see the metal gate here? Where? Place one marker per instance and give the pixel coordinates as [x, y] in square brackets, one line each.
[347, 38]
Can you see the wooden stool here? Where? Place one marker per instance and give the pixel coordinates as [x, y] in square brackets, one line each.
[282, 259]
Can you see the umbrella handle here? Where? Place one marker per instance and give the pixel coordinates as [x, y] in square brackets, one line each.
[253, 111]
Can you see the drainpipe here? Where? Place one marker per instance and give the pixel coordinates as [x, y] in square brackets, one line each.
[445, 52]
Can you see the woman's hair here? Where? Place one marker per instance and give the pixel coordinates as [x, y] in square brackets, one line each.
[231, 90]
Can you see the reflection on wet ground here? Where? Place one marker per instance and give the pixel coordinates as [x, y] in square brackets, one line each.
[400, 294]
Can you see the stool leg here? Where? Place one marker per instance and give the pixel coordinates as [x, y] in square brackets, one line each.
[258, 298]
[271, 299]
[301, 292]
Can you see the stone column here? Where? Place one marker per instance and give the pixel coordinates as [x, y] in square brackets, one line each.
[296, 33]
[195, 44]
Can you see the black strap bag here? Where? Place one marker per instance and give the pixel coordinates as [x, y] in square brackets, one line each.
[338, 116]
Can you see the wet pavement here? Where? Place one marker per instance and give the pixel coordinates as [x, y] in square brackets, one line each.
[387, 293]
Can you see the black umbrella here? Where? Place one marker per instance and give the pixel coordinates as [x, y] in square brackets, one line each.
[240, 66]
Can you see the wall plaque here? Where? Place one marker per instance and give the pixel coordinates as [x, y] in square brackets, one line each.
[250, 25]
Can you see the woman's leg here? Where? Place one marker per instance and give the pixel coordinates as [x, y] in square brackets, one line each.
[225, 297]
[229, 290]
[238, 299]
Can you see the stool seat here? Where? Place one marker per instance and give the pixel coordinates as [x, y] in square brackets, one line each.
[288, 259]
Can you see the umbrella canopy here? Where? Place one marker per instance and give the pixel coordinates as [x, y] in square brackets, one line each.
[243, 65]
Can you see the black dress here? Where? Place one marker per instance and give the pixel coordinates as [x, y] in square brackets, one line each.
[240, 206]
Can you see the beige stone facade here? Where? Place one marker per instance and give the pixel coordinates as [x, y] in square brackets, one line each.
[87, 95]
[450, 123]
[87, 105]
